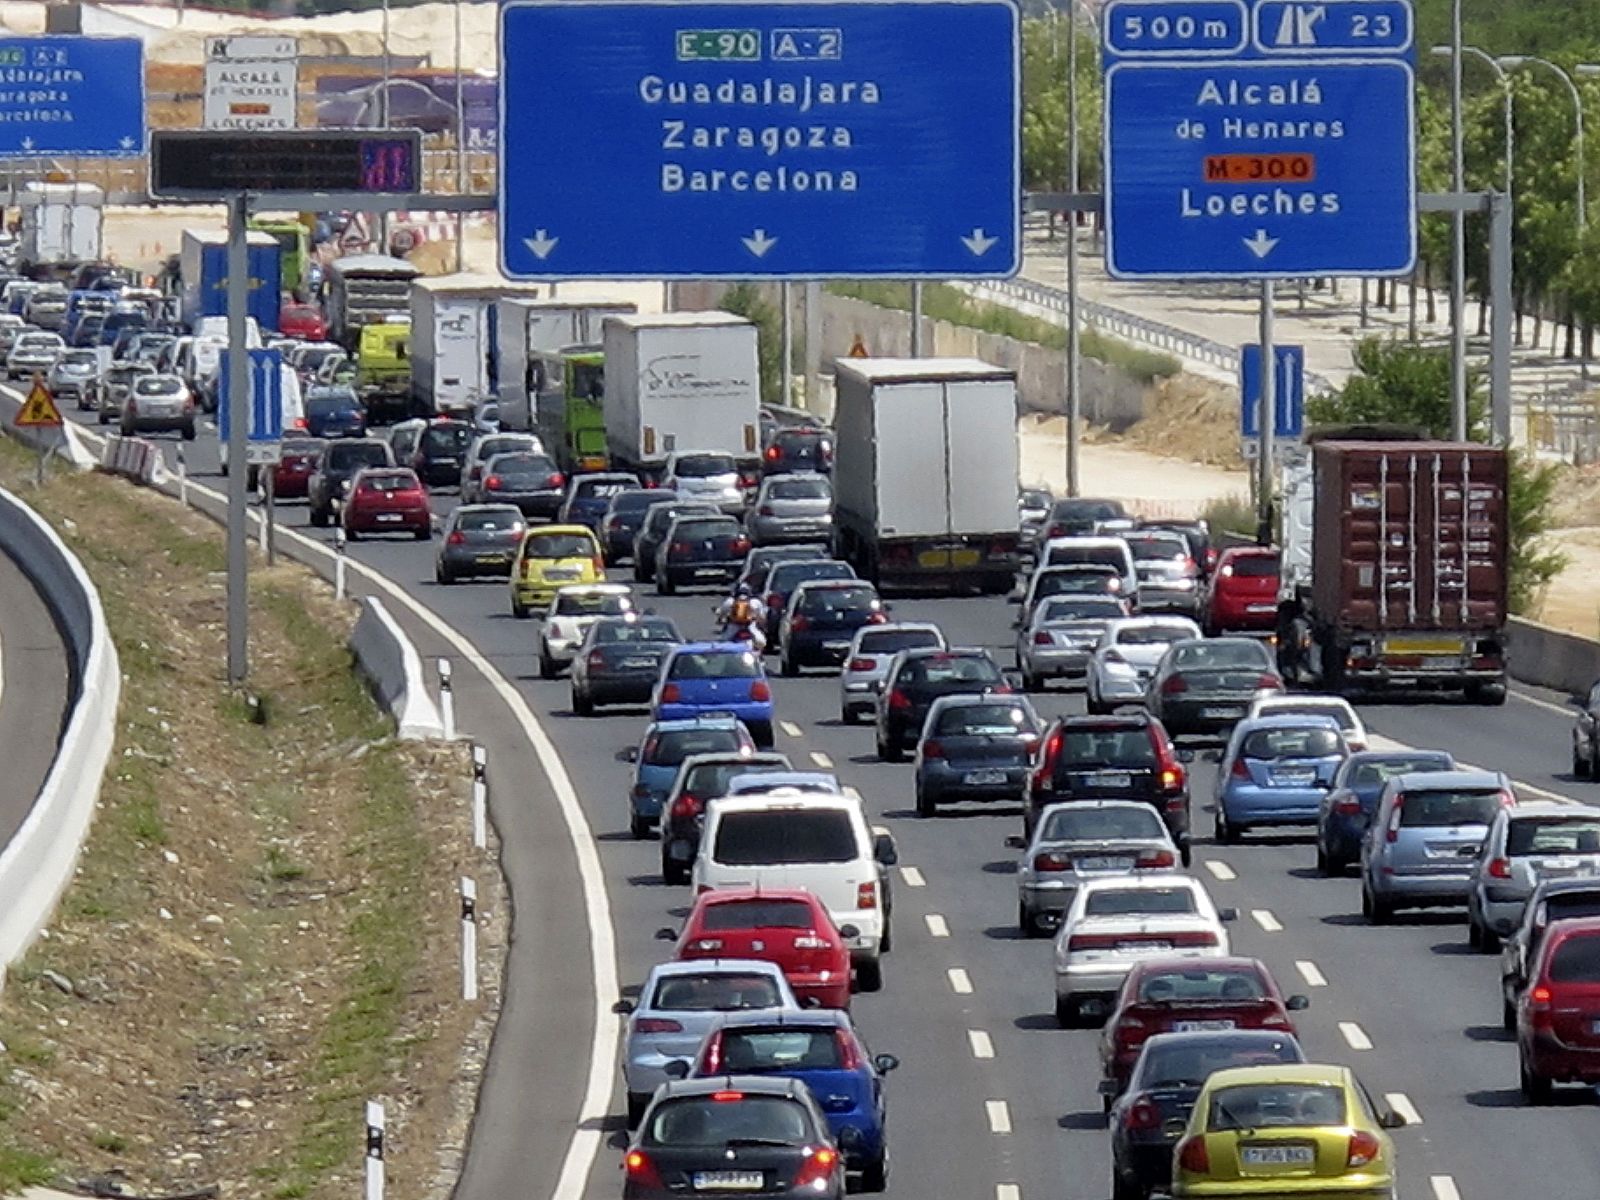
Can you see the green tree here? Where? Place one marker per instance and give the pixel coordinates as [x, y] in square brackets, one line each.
[745, 300]
[1044, 105]
[1534, 562]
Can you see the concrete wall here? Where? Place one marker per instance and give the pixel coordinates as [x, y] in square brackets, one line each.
[1552, 658]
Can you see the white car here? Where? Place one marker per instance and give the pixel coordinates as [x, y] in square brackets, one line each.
[707, 476]
[1056, 640]
[1337, 707]
[1114, 923]
[1080, 840]
[867, 662]
[1126, 656]
[572, 610]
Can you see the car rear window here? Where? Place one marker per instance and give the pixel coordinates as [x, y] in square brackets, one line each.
[389, 481]
[593, 604]
[520, 463]
[1211, 656]
[782, 1050]
[558, 545]
[979, 720]
[1376, 774]
[1155, 547]
[892, 641]
[1576, 960]
[670, 747]
[1553, 835]
[1089, 824]
[1276, 1105]
[798, 489]
[1083, 608]
[634, 501]
[1077, 583]
[715, 665]
[1252, 566]
[712, 992]
[951, 668]
[1107, 748]
[591, 489]
[1189, 1061]
[706, 527]
[358, 454]
[1443, 808]
[720, 1119]
[611, 632]
[838, 599]
[507, 444]
[445, 440]
[484, 521]
[786, 576]
[1110, 556]
[779, 836]
[757, 914]
[1201, 983]
[1567, 905]
[1115, 902]
[1152, 635]
[1268, 744]
[696, 466]
[1087, 510]
[711, 779]
[157, 386]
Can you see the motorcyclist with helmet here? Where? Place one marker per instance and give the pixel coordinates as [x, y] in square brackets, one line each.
[742, 617]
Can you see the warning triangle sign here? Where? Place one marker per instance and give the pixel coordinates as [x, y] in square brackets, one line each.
[38, 411]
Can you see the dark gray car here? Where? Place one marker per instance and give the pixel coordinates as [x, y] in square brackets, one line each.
[619, 661]
[532, 482]
[792, 508]
[479, 540]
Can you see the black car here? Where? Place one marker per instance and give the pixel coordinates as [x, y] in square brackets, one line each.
[733, 1134]
[787, 575]
[623, 518]
[479, 540]
[1202, 687]
[698, 550]
[657, 520]
[1149, 1117]
[1127, 756]
[701, 779]
[798, 448]
[821, 618]
[440, 452]
[336, 467]
[916, 678]
[589, 497]
[619, 661]
[1077, 516]
[335, 412]
[759, 562]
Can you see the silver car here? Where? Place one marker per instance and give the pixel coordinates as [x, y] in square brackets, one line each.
[1169, 577]
[1424, 836]
[33, 352]
[483, 448]
[710, 478]
[1126, 656]
[1033, 506]
[1082, 840]
[1056, 640]
[1526, 846]
[791, 508]
[159, 404]
[679, 1004]
[71, 376]
[867, 662]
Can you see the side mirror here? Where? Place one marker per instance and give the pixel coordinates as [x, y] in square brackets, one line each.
[1107, 1088]
[1298, 1003]
[665, 934]
[678, 1068]
[885, 1063]
[1227, 914]
[622, 1007]
[849, 931]
[883, 850]
[1392, 1120]
[1016, 841]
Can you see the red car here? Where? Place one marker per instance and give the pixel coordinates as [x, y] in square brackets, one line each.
[1183, 995]
[1243, 596]
[1558, 1013]
[303, 321]
[387, 500]
[789, 928]
[292, 474]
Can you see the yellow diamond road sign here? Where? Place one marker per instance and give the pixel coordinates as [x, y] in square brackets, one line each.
[38, 410]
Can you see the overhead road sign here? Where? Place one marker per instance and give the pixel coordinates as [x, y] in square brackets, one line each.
[73, 95]
[1288, 391]
[251, 82]
[39, 410]
[866, 138]
[200, 165]
[1259, 140]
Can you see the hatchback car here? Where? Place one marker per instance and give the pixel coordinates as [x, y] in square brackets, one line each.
[1550, 905]
[701, 779]
[533, 482]
[1346, 810]
[821, 620]
[1242, 595]
[653, 531]
[478, 540]
[916, 678]
[711, 478]
[974, 748]
[1077, 516]
[1203, 688]
[1125, 658]
[1276, 771]
[791, 508]
[159, 404]
[699, 549]
[335, 412]
[1196, 533]
[387, 500]
[112, 386]
[867, 661]
[624, 515]
[1123, 757]
[733, 1134]
[666, 745]
[619, 661]
[1074, 843]
[1526, 846]
[70, 376]
[589, 496]
[798, 448]
[1558, 1013]
[716, 677]
[790, 927]
[291, 474]
[552, 557]
[485, 446]
[440, 450]
[789, 574]
[1424, 836]
[33, 353]
[1169, 576]
[1351, 727]
[566, 622]
[336, 467]
[1057, 640]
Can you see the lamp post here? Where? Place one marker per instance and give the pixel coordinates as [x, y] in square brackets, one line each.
[1505, 94]
[1512, 61]
[1458, 241]
[1074, 369]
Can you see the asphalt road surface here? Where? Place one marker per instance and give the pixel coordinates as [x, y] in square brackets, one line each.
[33, 693]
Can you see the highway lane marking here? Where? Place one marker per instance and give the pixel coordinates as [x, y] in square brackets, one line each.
[1220, 870]
[1007, 1191]
[1355, 1035]
[999, 1116]
[822, 760]
[1444, 1187]
[1264, 918]
[853, 792]
[982, 1047]
[1308, 972]
[936, 925]
[960, 981]
[1401, 1103]
[790, 728]
[912, 877]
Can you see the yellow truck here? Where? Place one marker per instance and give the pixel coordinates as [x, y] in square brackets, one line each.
[383, 371]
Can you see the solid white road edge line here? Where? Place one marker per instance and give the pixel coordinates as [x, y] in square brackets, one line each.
[999, 1116]
[1401, 1103]
[982, 1047]
[937, 926]
[1264, 918]
[1444, 1187]
[1355, 1035]
[912, 877]
[1309, 972]
[1220, 870]
[960, 981]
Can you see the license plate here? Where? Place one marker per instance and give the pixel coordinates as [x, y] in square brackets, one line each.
[389, 516]
[490, 560]
[1103, 862]
[1144, 947]
[1405, 645]
[1221, 714]
[1293, 778]
[729, 1181]
[1113, 779]
[948, 558]
[562, 573]
[1277, 1156]
[636, 664]
[978, 778]
[708, 572]
[1201, 1026]
[1260, 608]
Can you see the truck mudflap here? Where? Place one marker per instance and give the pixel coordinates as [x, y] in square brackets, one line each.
[988, 562]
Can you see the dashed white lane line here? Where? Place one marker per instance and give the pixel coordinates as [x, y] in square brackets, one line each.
[1265, 919]
[1523, 788]
[1007, 1191]
[790, 728]
[999, 1116]
[982, 1047]
[912, 877]
[1309, 972]
[936, 925]
[960, 981]
[822, 760]
[1401, 1103]
[852, 791]
[1444, 1187]
[1355, 1035]
[1220, 870]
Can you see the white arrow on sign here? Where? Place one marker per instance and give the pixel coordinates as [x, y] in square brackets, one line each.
[1261, 245]
[978, 243]
[759, 243]
[27, 143]
[540, 243]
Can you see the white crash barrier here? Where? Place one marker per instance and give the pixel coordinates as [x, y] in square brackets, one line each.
[394, 670]
[37, 864]
[133, 457]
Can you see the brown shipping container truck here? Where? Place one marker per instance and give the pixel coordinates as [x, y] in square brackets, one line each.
[1408, 576]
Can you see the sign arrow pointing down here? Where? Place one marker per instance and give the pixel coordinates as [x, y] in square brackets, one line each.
[541, 244]
[759, 243]
[1261, 245]
[978, 243]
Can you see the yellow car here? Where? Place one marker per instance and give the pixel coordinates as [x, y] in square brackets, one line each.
[1286, 1130]
[551, 557]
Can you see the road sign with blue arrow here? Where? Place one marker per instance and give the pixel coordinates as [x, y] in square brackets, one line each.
[1288, 391]
[72, 95]
[266, 399]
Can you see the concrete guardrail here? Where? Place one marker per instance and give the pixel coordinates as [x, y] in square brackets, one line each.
[1552, 658]
[393, 669]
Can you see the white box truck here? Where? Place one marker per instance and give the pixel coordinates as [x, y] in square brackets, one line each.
[452, 337]
[925, 472]
[61, 223]
[530, 336]
[680, 382]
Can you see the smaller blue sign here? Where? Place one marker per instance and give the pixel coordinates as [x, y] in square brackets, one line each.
[1333, 27]
[1288, 391]
[72, 95]
[266, 397]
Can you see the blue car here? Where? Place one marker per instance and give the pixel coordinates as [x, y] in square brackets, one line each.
[335, 412]
[1347, 809]
[1276, 771]
[589, 496]
[716, 677]
[821, 1049]
[657, 758]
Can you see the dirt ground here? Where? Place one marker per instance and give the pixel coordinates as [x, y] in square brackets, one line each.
[263, 931]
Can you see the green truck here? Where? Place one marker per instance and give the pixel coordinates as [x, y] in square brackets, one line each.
[294, 242]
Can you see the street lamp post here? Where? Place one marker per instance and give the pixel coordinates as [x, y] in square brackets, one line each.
[1512, 61]
[1506, 101]
[1074, 380]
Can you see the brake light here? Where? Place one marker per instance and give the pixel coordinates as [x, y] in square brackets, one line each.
[1392, 834]
[772, 454]
[686, 805]
[1507, 800]
[1269, 681]
[748, 479]
[671, 693]
[1500, 868]
[867, 894]
[1141, 1115]
[1364, 1147]
[457, 538]
[877, 617]
[849, 1052]
[1052, 861]
[759, 691]
[860, 664]
[678, 548]
[727, 1097]
[1129, 1031]
[933, 748]
[492, 483]
[898, 700]
[818, 1166]
[765, 510]
[657, 1025]
[799, 623]
[1174, 684]
[642, 1171]
[1057, 531]
[1046, 764]
[1540, 995]
[557, 479]
[1171, 778]
[713, 1059]
[1192, 1156]
[774, 601]
[1241, 769]
[651, 484]
[1191, 937]
[597, 660]
[1095, 941]
[1043, 639]
[1155, 858]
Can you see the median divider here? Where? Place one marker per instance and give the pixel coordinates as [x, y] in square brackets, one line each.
[134, 457]
[393, 669]
[38, 863]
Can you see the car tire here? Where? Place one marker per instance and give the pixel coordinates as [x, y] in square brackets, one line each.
[1186, 855]
[1488, 940]
[1030, 681]
[1226, 832]
[1474, 932]
[673, 872]
[664, 585]
[1379, 912]
[1121, 1189]
[188, 432]
[442, 576]
[548, 667]
[581, 704]
[760, 733]
[1067, 1013]
[787, 667]
[869, 975]
[927, 806]
[319, 517]
[1536, 1089]
[638, 573]
[126, 430]
[519, 610]
[352, 535]
[849, 716]
[422, 535]
[638, 827]
[104, 418]
[890, 753]
[875, 1175]
[1027, 923]
[637, 1103]
[1580, 765]
[1508, 1015]
[1324, 863]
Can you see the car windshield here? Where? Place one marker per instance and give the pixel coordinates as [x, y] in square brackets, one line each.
[592, 604]
[1377, 772]
[1152, 635]
[892, 641]
[718, 1120]
[838, 599]
[782, 1050]
[1156, 547]
[1082, 608]
[625, 632]
[715, 664]
[951, 668]
[389, 481]
[715, 992]
[670, 747]
[1211, 656]
[757, 914]
[558, 545]
[787, 576]
[326, 406]
[798, 489]
[985, 720]
[1276, 1105]
[1294, 742]
[445, 440]
[157, 387]
[354, 455]
[1576, 960]
[1201, 983]
[488, 520]
[635, 501]
[1187, 1061]
[1139, 901]
[1107, 748]
[785, 835]
[1251, 566]
[698, 466]
[1089, 824]
[1530, 836]
[1455, 807]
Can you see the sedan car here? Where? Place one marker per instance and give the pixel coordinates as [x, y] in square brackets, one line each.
[573, 609]
[679, 1003]
[1123, 757]
[790, 927]
[1559, 1011]
[709, 477]
[916, 678]
[1058, 638]
[1077, 516]
[552, 557]
[798, 448]
[478, 540]
[533, 482]
[159, 404]
[387, 500]
[589, 496]
[625, 513]
[1169, 577]
[702, 779]
[70, 376]
[791, 508]
[1072, 579]
[974, 748]
[1148, 1119]
[699, 549]
[821, 621]
[666, 745]
[1346, 810]
[653, 528]
[1074, 843]
[619, 660]
[733, 1134]
[716, 677]
[1526, 846]
[867, 661]
[1424, 836]
[788, 574]
[336, 467]
[1551, 903]
[33, 353]
[335, 412]
[1275, 771]
[1203, 688]
[1115, 923]
[1125, 658]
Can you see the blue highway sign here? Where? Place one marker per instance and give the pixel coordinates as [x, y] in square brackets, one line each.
[68, 94]
[266, 397]
[774, 140]
[1288, 391]
[1259, 141]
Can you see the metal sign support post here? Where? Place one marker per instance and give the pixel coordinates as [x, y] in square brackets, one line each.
[1074, 404]
[1267, 417]
[238, 431]
[268, 505]
[916, 319]
[786, 392]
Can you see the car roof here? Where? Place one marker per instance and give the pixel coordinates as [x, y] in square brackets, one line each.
[1439, 781]
[705, 721]
[1141, 883]
[740, 895]
[714, 648]
[1096, 805]
[1250, 552]
[1382, 756]
[1301, 700]
[1214, 1037]
[564, 529]
[1139, 719]
[1288, 721]
[973, 699]
[788, 798]
[1550, 808]
[594, 589]
[718, 758]
[1572, 926]
[900, 627]
[1556, 887]
[715, 966]
[1313, 1073]
[816, 781]
[1231, 962]
[750, 1085]
[814, 1018]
